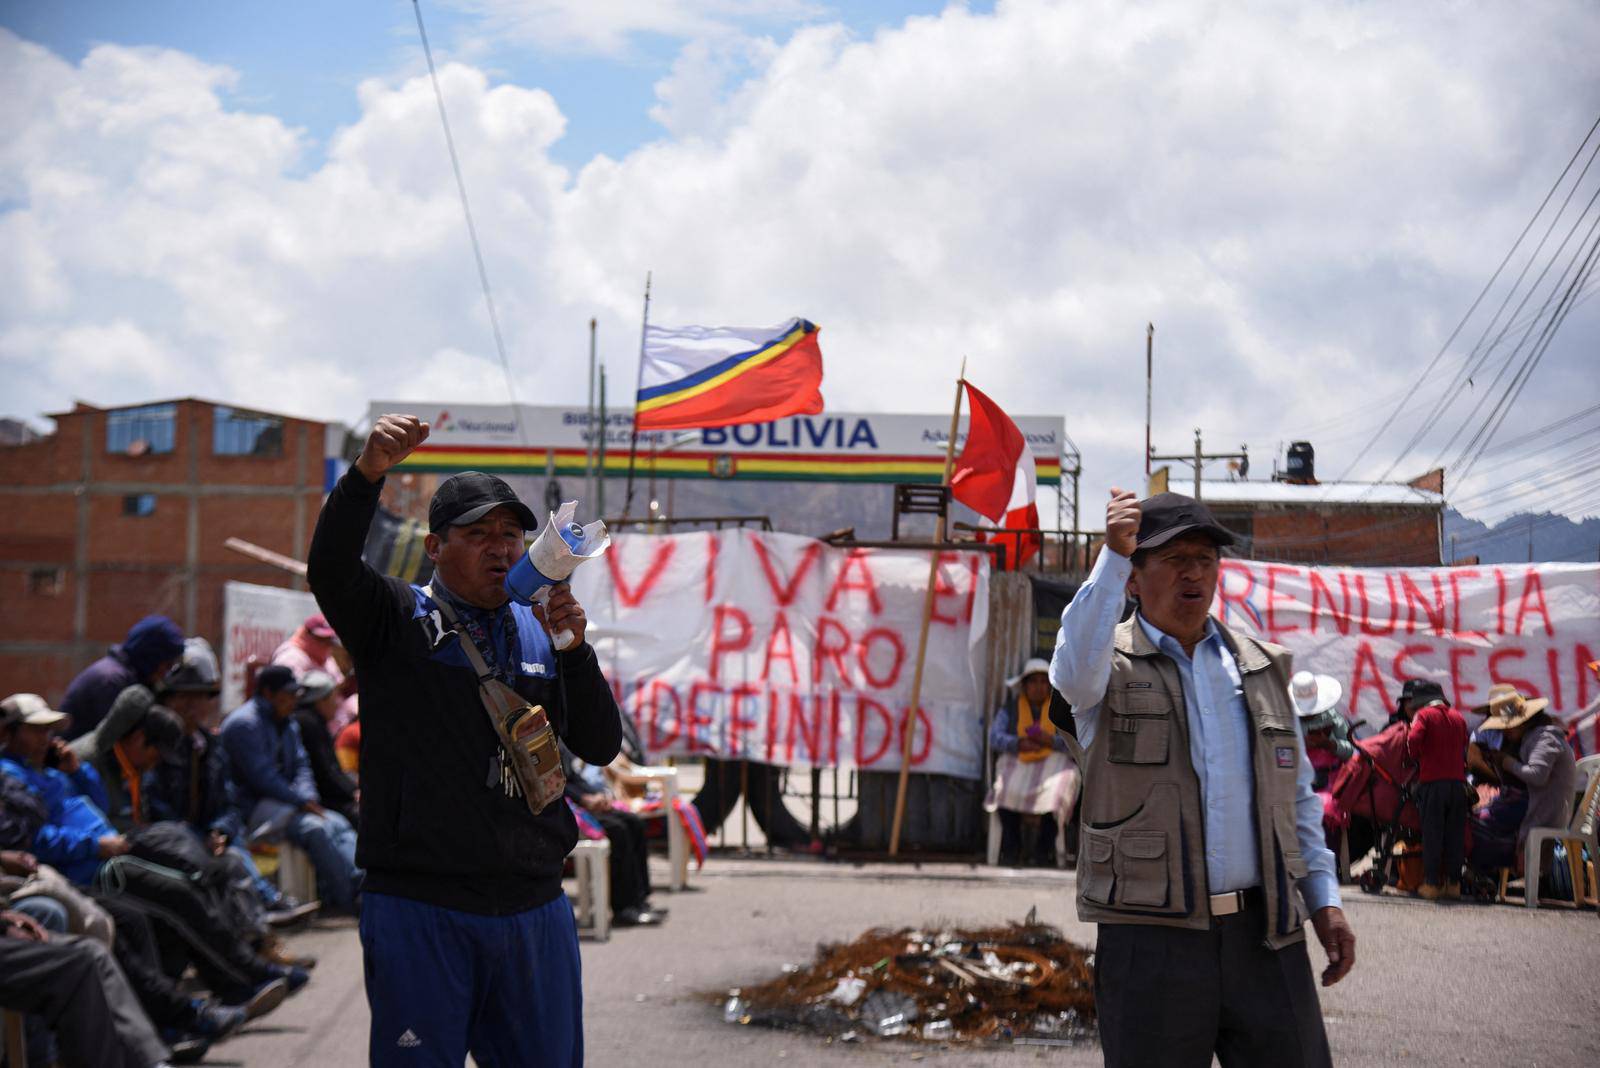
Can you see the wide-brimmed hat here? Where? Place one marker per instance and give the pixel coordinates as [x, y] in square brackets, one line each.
[29, 708]
[1034, 666]
[1507, 708]
[1314, 694]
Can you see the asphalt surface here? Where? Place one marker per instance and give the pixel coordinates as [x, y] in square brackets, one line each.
[1434, 984]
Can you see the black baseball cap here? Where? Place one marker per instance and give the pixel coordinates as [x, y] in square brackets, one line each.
[1171, 515]
[275, 678]
[1422, 690]
[471, 495]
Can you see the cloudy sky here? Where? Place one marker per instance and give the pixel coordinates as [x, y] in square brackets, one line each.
[252, 203]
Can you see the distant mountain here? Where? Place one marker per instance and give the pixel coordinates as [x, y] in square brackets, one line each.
[1555, 537]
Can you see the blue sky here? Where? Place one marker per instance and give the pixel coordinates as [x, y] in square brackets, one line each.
[302, 59]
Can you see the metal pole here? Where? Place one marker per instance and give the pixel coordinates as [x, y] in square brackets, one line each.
[1199, 458]
[1149, 371]
[600, 462]
[633, 437]
[910, 729]
[588, 455]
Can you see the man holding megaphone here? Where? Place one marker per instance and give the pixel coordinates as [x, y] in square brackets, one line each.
[469, 943]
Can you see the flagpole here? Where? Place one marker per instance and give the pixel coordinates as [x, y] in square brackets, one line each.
[633, 436]
[908, 732]
[588, 456]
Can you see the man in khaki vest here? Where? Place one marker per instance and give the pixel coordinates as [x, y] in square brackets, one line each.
[1202, 851]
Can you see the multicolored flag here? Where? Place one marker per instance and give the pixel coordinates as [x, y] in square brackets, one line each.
[995, 476]
[702, 376]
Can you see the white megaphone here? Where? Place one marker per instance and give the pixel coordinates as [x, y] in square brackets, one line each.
[554, 555]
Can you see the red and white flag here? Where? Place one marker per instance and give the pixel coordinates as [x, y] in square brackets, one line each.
[995, 476]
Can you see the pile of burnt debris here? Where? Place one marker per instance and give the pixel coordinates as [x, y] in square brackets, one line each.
[1021, 983]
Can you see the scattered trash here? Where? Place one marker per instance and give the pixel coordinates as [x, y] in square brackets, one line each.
[1022, 983]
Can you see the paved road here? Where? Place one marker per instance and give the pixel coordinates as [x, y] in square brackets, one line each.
[1435, 985]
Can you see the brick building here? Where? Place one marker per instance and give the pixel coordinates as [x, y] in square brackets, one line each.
[123, 512]
[1358, 524]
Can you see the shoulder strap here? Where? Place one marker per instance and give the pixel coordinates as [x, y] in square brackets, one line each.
[468, 646]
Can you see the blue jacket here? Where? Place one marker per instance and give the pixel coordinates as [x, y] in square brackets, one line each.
[266, 757]
[70, 842]
[191, 785]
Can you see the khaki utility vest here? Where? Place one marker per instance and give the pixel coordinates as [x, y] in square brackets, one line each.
[1142, 853]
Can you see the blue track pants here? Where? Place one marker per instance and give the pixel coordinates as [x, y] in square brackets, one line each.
[442, 983]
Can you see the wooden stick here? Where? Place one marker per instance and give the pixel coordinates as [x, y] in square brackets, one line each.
[266, 556]
[908, 732]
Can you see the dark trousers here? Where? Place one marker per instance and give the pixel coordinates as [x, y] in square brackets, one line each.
[139, 955]
[74, 985]
[189, 926]
[1172, 997]
[721, 792]
[443, 983]
[1443, 805]
[1024, 844]
[630, 859]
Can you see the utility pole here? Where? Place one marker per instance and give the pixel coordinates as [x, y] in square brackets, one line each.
[1149, 369]
[588, 457]
[600, 473]
[1200, 456]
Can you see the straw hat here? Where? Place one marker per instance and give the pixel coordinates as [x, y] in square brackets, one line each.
[1314, 694]
[1507, 708]
[1034, 666]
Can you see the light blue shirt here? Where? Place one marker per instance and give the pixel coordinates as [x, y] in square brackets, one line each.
[1219, 732]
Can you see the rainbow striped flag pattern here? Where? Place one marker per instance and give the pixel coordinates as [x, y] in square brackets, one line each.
[712, 376]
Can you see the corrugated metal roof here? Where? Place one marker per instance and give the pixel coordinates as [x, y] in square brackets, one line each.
[1376, 494]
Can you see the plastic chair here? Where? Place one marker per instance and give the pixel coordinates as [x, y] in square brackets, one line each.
[591, 862]
[1582, 830]
[633, 780]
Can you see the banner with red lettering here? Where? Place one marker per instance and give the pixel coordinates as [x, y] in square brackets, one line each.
[1535, 626]
[785, 650]
[255, 621]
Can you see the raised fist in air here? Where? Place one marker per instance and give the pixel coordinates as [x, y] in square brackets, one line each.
[392, 439]
[1122, 522]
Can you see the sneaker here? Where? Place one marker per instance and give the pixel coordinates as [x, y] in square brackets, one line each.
[1428, 892]
[262, 998]
[297, 978]
[288, 912]
[217, 1022]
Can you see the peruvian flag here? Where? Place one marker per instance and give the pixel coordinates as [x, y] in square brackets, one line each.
[995, 476]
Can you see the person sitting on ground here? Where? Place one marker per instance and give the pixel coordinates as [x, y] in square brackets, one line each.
[1437, 741]
[1534, 754]
[76, 986]
[318, 705]
[315, 647]
[150, 649]
[129, 741]
[1036, 782]
[276, 789]
[589, 790]
[79, 841]
[191, 786]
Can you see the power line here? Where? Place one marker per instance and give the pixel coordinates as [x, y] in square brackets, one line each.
[1433, 363]
[472, 229]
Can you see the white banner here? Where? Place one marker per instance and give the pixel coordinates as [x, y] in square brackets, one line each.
[784, 650]
[1535, 626]
[255, 621]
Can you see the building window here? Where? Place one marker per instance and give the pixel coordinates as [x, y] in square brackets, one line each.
[47, 581]
[240, 433]
[139, 505]
[142, 431]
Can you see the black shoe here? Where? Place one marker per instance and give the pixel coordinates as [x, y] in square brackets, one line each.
[633, 917]
[217, 1022]
[188, 1049]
